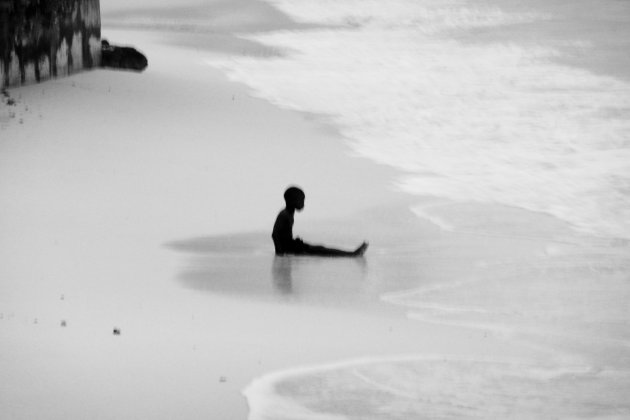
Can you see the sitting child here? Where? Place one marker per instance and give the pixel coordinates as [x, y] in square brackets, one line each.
[283, 232]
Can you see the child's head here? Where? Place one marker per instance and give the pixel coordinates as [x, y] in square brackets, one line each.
[294, 197]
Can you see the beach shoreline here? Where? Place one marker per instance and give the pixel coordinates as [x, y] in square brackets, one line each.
[88, 215]
[99, 171]
[143, 203]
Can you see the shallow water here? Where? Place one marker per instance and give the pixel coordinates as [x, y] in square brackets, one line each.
[558, 297]
[441, 388]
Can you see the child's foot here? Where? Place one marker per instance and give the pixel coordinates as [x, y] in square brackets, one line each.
[360, 250]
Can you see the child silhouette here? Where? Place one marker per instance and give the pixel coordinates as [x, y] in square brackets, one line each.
[282, 234]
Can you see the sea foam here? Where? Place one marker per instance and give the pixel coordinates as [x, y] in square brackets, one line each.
[408, 387]
[491, 122]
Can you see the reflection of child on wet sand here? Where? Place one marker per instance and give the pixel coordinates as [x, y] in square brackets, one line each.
[283, 232]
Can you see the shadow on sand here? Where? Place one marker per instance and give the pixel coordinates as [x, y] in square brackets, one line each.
[243, 265]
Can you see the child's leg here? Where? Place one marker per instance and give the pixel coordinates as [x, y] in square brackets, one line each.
[333, 252]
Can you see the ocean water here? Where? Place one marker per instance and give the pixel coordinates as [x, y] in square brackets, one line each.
[472, 102]
[481, 106]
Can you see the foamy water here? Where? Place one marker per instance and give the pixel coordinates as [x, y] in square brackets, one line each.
[488, 121]
[435, 387]
[477, 116]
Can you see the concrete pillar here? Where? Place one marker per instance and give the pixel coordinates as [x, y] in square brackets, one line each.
[41, 39]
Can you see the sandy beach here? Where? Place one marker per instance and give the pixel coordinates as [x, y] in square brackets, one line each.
[138, 278]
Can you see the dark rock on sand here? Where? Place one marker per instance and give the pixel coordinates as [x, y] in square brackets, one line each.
[126, 58]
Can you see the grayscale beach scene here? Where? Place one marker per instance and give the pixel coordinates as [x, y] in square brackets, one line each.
[449, 182]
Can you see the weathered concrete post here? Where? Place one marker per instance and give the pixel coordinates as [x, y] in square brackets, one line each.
[6, 7]
[40, 39]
